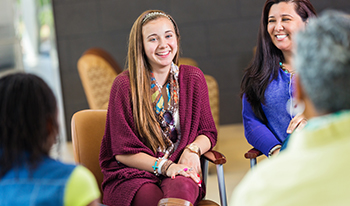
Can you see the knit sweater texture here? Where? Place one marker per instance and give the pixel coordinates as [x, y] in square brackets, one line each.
[264, 136]
[121, 137]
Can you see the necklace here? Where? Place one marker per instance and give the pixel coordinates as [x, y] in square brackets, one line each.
[285, 69]
[291, 105]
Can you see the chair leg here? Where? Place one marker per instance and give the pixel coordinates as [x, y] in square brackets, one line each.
[221, 181]
[174, 202]
[252, 163]
[205, 171]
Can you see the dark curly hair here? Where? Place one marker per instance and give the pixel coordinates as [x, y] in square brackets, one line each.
[28, 121]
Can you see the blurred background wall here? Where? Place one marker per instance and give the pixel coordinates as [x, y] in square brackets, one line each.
[10, 51]
[219, 35]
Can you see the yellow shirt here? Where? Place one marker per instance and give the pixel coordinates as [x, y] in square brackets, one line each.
[81, 188]
[313, 170]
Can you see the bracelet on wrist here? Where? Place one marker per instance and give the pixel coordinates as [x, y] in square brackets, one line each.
[194, 148]
[155, 167]
[160, 164]
[166, 166]
[274, 149]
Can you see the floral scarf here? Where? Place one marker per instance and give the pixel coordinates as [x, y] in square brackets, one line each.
[165, 117]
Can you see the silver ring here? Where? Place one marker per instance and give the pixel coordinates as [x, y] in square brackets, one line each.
[190, 169]
[178, 172]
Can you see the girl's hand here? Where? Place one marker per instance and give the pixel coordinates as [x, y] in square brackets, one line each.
[297, 123]
[191, 159]
[181, 169]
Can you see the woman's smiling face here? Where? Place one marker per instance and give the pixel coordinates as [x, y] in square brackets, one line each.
[283, 23]
[160, 42]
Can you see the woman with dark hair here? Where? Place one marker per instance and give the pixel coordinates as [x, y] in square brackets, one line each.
[158, 123]
[269, 111]
[314, 168]
[28, 129]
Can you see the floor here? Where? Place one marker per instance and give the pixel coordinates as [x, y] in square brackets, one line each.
[231, 143]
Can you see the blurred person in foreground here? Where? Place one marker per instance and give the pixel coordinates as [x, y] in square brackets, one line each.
[28, 129]
[314, 168]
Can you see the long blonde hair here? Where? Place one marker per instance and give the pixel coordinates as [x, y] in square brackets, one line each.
[137, 63]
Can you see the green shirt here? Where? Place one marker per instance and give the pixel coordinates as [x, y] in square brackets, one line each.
[313, 170]
[81, 188]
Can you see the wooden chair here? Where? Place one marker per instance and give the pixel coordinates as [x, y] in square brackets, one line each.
[88, 128]
[97, 70]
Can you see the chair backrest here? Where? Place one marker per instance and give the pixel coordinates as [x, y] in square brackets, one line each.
[97, 71]
[188, 61]
[88, 128]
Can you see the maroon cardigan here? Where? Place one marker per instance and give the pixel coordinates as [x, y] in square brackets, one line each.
[121, 182]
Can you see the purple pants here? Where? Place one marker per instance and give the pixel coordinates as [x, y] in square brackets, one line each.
[180, 187]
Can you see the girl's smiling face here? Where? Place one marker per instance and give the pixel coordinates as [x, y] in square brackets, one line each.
[160, 42]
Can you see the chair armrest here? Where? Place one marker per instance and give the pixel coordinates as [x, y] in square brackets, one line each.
[218, 159]
[252, 153]
[214, 157]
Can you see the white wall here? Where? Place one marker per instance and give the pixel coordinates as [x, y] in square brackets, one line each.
[10, 52]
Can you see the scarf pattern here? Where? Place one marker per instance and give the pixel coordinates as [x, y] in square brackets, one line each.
[165, 117]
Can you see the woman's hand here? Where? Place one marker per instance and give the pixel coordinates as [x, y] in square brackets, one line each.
[297, 123]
